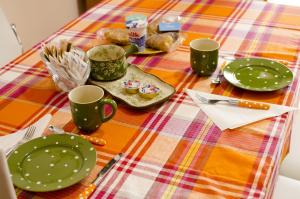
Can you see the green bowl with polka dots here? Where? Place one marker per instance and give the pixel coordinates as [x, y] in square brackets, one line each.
[51, 162]
[256, 74]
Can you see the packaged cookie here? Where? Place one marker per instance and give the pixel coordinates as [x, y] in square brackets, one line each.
[165, 33]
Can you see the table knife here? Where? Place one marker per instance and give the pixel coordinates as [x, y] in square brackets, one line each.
[85, 194]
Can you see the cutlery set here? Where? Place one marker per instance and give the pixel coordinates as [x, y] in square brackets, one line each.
[55, 155]
[14, 155]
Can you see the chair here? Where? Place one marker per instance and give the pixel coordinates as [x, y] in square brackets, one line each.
[10, 44]
[286, 188]
[6, 186]
[288, 184]
[291, 164]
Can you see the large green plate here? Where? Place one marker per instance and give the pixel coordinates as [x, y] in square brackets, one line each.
[258, 74]
[51, 162]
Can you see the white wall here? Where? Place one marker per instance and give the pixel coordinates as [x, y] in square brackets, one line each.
[286, 2]
[38, 19]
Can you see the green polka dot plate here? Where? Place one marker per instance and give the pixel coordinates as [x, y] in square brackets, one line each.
[258, 74]
[51, 162]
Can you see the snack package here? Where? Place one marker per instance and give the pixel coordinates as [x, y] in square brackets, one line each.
[66, 64]
[56, 49]
[135, 33]
[153, 27]
[114, 35]
[167, 41]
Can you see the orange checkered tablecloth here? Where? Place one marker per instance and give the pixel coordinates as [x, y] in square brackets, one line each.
[174, 150]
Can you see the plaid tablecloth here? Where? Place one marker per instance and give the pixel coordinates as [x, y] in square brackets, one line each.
[172, 151]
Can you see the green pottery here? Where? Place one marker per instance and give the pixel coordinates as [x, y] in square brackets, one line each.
[87, 107]
[108, 62]
[204, 56]
[134, 100]
[257, 74]
[51, 162]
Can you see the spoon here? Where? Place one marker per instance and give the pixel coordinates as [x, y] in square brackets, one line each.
[94, 140]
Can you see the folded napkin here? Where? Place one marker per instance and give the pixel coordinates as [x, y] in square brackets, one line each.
[8, 141]
[6, 185]
[226, 116]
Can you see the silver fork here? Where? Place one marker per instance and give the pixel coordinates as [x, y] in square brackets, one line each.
[213, 101]
[27, 136]
[241, 103]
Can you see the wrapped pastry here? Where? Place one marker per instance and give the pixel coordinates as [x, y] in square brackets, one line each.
[164, 42]
[115, 35]
[152, 27]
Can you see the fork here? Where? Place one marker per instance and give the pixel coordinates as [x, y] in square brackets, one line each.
[241, 103]
[217, 79]
[27, 136]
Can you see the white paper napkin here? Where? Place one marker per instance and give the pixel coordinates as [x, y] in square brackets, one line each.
[8, 141]
[6, 186]
[226, 116]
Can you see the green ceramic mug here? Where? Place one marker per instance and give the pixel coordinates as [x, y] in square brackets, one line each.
[87, 107]
[204, 56]
[108, 62]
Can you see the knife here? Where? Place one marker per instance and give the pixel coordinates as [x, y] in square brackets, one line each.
[85, 194]
[94, 140]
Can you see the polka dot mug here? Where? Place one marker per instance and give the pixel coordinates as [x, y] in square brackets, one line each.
[87, 107]
[204, 56]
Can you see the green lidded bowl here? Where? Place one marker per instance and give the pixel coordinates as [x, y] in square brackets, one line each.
[108, 62]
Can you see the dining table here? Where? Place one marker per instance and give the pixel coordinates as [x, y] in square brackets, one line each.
[171, 150]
